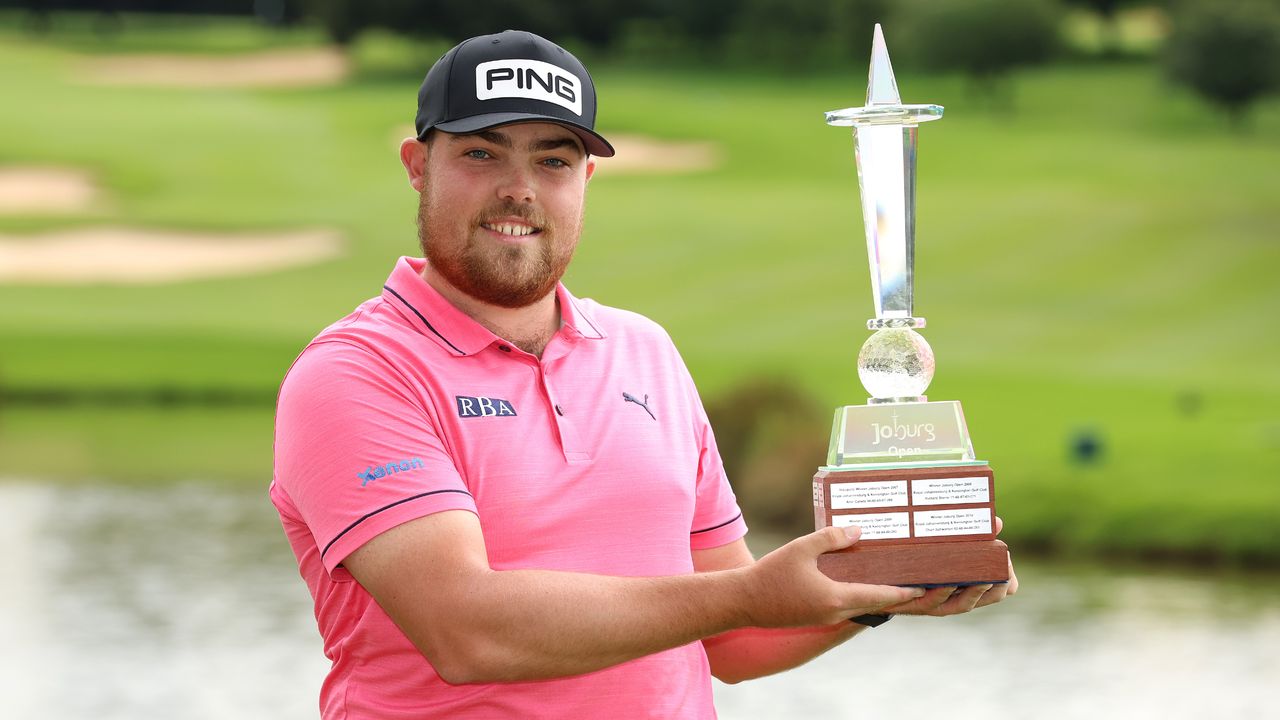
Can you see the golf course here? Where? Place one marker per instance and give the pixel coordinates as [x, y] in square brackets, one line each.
[1097, 256]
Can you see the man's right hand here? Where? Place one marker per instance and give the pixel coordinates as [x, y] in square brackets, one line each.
[786, 589]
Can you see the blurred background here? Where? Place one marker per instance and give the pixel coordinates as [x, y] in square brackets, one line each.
[189, 191]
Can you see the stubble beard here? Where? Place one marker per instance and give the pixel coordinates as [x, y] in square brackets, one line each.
[510, 276]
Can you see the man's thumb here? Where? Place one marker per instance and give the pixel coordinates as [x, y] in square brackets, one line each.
[834, 538]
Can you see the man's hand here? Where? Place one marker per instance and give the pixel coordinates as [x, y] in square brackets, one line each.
[788, 584]
[786, 587]
[790, 591]
[953, 600]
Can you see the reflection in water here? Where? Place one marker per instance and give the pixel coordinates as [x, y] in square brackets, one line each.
[1076, 642]
[183, 601]
[152, 602]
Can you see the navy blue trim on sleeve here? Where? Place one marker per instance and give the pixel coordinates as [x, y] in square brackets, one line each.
[353, 525]
[717, 527]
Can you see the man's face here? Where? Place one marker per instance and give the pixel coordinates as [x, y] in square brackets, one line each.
[501, 210]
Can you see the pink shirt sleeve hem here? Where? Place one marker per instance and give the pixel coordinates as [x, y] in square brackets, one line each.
[380, 521]
[718, 535]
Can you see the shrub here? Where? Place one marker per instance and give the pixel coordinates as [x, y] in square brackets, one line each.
[984, 39]
[795, 35]
[1227, 51]
[343, 20]
[772, 438]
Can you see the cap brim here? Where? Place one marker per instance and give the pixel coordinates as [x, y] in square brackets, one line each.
[594, 143]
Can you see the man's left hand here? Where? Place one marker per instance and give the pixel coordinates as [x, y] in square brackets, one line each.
[952, 600]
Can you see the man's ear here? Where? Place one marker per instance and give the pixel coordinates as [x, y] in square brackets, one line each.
[591, 166]
[413, 155]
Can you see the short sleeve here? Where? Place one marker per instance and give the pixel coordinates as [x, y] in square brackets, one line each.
[357, 450]
[717, 519]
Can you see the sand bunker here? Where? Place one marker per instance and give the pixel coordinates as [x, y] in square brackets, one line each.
[276, 68]
[45, 190]
[123, 256]
[638, 154]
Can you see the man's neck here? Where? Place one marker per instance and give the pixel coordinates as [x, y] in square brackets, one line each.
[529, 328]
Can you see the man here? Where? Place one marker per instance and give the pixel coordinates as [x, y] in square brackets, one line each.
[507, 501]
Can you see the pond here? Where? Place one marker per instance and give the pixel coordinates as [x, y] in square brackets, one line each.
[183, 601]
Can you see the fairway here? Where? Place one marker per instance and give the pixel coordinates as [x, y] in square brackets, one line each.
[1100, 258]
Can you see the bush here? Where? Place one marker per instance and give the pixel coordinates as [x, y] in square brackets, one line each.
[778, 34]
[984, 39]
[343, 20]
[1228, 51]
[1107, 12]
[773, 438]
[793, 35]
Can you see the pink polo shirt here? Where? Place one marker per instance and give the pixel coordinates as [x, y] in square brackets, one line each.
[598, 458]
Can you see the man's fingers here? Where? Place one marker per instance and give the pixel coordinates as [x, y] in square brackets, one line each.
[997, 593]
[925, 603]
[963, 600]
[833, 538]
[940, 595]
[952, 600]
[874, 598]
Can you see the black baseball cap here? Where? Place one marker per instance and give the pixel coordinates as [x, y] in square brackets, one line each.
[509, 77]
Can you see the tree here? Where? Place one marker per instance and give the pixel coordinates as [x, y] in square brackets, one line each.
[1227, 51]
[793, 35]
[985, 39]
[343, 20]
[1107, 11]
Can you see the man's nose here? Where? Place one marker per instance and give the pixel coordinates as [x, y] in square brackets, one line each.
[517, 186]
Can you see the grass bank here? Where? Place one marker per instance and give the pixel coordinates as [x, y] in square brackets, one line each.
[1098, 258]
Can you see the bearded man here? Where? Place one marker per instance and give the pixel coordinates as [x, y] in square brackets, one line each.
[507, 501]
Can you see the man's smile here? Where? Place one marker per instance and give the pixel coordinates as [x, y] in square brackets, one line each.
[511, 228]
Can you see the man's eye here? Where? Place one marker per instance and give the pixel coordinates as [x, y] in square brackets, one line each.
[478, 154]
[556, 162]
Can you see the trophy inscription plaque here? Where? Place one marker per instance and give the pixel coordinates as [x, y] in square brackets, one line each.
[901, 467]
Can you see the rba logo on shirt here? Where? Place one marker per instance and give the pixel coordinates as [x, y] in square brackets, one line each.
[469, 407]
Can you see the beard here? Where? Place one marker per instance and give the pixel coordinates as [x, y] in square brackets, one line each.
[509, 276]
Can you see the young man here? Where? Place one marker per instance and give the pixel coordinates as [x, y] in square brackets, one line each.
[507, 501]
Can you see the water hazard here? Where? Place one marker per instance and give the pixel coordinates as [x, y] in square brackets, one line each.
[183, 601]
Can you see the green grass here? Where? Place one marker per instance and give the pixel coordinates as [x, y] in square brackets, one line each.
[1084, 259]
[137, 445]
[104, 33]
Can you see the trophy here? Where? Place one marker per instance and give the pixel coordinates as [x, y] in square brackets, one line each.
[900, 467]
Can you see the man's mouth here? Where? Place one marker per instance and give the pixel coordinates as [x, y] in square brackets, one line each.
[510, 229]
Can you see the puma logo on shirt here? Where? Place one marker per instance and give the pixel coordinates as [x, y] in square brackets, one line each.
[628, 397]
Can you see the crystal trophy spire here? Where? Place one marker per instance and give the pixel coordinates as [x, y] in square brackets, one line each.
[885, 136]
[900, 467]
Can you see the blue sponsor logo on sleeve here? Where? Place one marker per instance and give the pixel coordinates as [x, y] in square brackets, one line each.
[372, 473]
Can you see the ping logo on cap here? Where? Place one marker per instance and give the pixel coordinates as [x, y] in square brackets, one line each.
[532, 79]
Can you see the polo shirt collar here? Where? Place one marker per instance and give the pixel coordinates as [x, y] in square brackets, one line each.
[453, 329]
[575, 317]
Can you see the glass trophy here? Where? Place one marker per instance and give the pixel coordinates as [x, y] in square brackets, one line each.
[901, 467]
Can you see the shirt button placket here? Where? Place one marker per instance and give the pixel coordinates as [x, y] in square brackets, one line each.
[569, 440]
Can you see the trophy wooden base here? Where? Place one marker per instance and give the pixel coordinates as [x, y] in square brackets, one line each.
[931, 524]
[921, 564]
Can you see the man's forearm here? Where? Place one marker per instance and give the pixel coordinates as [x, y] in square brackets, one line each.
[532, 624]
[749, 653]
[476, 624]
